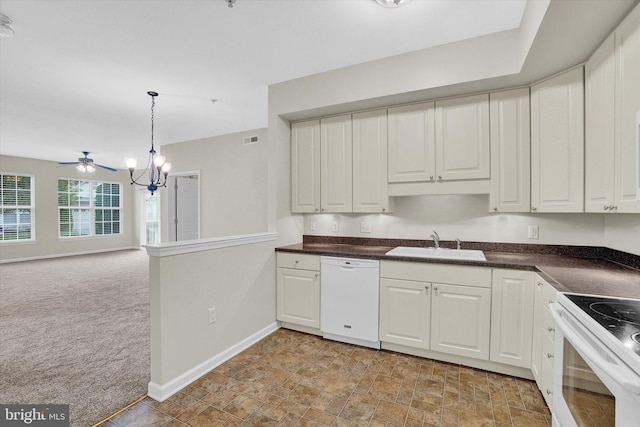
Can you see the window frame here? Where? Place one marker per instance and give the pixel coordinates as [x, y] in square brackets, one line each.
[92, 209]
[31, 207]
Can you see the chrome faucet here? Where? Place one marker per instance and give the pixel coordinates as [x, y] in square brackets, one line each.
[436, 239]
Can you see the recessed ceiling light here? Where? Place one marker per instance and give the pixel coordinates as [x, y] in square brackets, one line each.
[6, 26]
[392, 3]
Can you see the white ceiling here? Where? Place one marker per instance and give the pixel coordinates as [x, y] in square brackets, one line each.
[75, 75]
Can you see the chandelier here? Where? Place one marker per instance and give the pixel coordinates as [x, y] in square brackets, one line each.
[157, 168]
[392, 3]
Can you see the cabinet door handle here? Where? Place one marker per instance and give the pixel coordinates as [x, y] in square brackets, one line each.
[495, 209]
[550, 329]
[435, 289]
[533, 208]
[316, 274]
[549, 355]
[607, 207]
[426, 288]
[440, 178]
[549, 391]
[540, 284]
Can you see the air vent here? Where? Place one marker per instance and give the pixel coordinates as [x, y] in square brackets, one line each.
[250, 140]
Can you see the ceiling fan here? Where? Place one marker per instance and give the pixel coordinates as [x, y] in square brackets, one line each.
[85, 164]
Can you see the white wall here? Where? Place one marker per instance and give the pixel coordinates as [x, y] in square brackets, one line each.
[233, 182]
[48, 244]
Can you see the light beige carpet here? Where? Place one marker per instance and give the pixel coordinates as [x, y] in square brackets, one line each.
[75, 330]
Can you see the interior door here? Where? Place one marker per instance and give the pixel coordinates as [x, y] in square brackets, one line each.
[184, 207]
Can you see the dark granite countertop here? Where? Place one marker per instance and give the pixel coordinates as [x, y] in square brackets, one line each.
[598, 271]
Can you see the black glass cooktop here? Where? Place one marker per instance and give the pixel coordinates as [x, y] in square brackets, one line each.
[619, 316]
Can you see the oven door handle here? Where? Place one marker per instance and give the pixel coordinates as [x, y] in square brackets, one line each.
[616, 369]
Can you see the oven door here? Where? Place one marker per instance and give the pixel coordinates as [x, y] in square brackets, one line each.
[591, 386]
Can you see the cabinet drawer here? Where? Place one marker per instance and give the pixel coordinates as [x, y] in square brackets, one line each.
[437, 273]
[548, 294]
[298, 261]
[548, 349]
[548, 324]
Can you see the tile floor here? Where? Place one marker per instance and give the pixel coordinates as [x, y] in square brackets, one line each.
[295, 379]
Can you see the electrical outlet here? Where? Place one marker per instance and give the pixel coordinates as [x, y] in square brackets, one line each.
[534, 232]
[335, 227]
[313, 226]
[365, 227]
[212, 315]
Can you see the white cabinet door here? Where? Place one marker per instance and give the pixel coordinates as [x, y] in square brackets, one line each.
[336, 164]
[600, 129]
[462, 138]
[536, 341]
[510, 151]
[627, 56]
[298, 297]
[460, 320]
[557, 143]
[405, 311]
[305, 166]
[411, 143]
[370, 162]
[512, 298]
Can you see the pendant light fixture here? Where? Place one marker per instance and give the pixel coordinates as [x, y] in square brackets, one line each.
[158, 168]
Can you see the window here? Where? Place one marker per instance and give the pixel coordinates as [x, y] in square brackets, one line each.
[88, 208]
[16, 207]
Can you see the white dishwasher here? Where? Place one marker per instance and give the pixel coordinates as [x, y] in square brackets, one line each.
[349, 300]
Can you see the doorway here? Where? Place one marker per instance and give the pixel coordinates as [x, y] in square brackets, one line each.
[149, 214]
[183, 206]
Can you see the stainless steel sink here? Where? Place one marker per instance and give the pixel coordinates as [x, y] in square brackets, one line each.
[439, 253]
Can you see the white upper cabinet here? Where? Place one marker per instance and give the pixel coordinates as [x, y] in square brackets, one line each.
[627, 138]
[440, 148]
[370, 162]
[305, 166]
[462, 138]
[336, 193]
[510, 151]
[600, 129]
[612, 98]
[412, 143]
[557, 143]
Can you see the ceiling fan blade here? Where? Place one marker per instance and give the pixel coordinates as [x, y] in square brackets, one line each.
[67, 163]
[105, 167]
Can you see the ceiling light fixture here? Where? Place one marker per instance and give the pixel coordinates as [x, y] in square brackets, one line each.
[392, 3]
[85, 168]
[158, 167]
[6, 26]
[230, 3]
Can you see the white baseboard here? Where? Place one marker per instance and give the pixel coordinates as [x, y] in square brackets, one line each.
[61, 255]
[161, 392]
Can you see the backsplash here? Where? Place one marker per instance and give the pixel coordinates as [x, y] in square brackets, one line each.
[465, 217]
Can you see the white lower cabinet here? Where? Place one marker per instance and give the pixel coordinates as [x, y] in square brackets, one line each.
[512, 298]
[460, 320]
[298, 289]
[405, 312]
[436, 307]
[542, 353]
